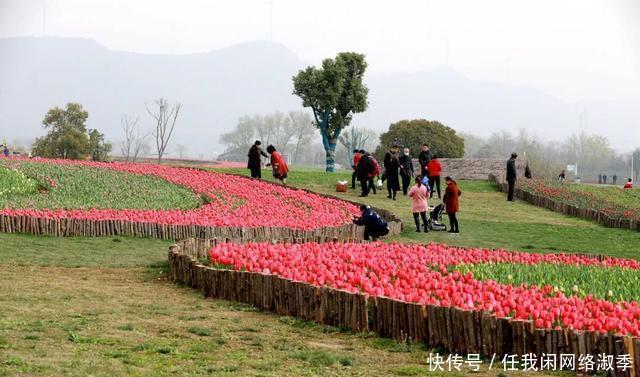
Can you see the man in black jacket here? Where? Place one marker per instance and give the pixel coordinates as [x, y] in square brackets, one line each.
[406, 170]
[255, 164]
[511, 175]
[424, 157]
[364, 170]
[374, 225]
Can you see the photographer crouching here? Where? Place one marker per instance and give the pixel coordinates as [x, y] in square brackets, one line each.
[374, 225]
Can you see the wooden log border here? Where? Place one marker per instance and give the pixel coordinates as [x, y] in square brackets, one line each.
[447, 328]
[558, 206]
[66, 227]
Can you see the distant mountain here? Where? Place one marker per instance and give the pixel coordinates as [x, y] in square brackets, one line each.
[217, 87]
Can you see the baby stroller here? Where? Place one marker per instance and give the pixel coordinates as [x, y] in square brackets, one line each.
[435, 219]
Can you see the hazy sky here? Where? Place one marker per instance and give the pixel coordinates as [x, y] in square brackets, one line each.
[573, 49]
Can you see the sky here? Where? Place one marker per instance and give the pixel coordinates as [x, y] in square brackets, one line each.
[572, 49]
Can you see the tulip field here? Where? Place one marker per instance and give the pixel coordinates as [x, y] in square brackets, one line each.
[612, 201]
[151, 327]
[429, 275]
[165, 195]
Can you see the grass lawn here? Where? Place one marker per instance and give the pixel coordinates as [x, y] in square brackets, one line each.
[100, 307]
[103, 306]
[487, 220]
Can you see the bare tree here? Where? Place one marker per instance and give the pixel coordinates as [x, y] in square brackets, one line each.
[134, 140]
[304, 130]
[165, 118]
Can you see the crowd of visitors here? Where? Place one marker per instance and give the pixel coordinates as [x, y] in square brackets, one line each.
[398, 173]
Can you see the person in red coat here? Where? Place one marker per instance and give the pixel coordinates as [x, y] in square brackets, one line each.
[435, 169]
[356, 159]
[450, 199]
[628, 185]
[279, 166]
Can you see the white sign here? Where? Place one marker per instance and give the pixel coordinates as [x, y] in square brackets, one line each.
[571, 168]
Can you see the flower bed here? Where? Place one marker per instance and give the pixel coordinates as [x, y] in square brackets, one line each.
[427, 275]
[608, 206]
[230, 201]
[614, 202]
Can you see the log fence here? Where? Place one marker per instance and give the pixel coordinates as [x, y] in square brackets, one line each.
[567, 209]
[447, 328]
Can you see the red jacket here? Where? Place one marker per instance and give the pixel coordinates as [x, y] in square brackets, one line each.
[628, 185]
[278, 164]
[450, 199]
[356, 159]
[376, 171]
[435, 168]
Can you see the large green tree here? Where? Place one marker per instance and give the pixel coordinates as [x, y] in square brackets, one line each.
[411, 134]
[334, 93]
[67, 134]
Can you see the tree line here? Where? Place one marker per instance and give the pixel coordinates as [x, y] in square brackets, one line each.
[592, 153]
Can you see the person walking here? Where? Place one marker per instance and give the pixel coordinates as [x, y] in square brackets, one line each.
[435, 169]
[376, 173]
[423, 158]
[419, 204]
[451, 203]
[391, 170]
[604, 179]
[511, 175]
[614, 179]
[255, 162]
[406, 169]
[356, 159]
[364, 169]
[279, 166]
[562, 176]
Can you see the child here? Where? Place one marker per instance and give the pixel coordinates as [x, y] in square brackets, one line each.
[628, 185]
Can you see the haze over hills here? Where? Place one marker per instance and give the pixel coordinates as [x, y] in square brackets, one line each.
[217, 87]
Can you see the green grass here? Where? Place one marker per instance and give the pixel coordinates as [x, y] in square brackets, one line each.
[104, 307]
[81, 187]
[612, 283]
[487, 220]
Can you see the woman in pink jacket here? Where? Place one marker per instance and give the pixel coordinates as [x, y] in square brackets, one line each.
[419, 204]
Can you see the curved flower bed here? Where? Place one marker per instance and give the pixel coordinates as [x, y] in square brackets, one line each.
[231, 201]
[427, 275]
[611, 201]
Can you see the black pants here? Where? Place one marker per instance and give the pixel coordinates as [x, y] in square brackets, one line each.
[392, 192]
[453, 220]
[353, 180]
[423, 215]
[364, 184]
[512, 187]
[372, 185]
[424, 172]
[406, 182]
[256, 172]
[434, 181]
[374, 234]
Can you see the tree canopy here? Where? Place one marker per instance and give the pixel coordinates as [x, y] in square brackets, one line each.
[411, 134]
[334, 93]
[67, 133]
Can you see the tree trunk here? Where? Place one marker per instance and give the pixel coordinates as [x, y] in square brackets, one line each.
[331, 157]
